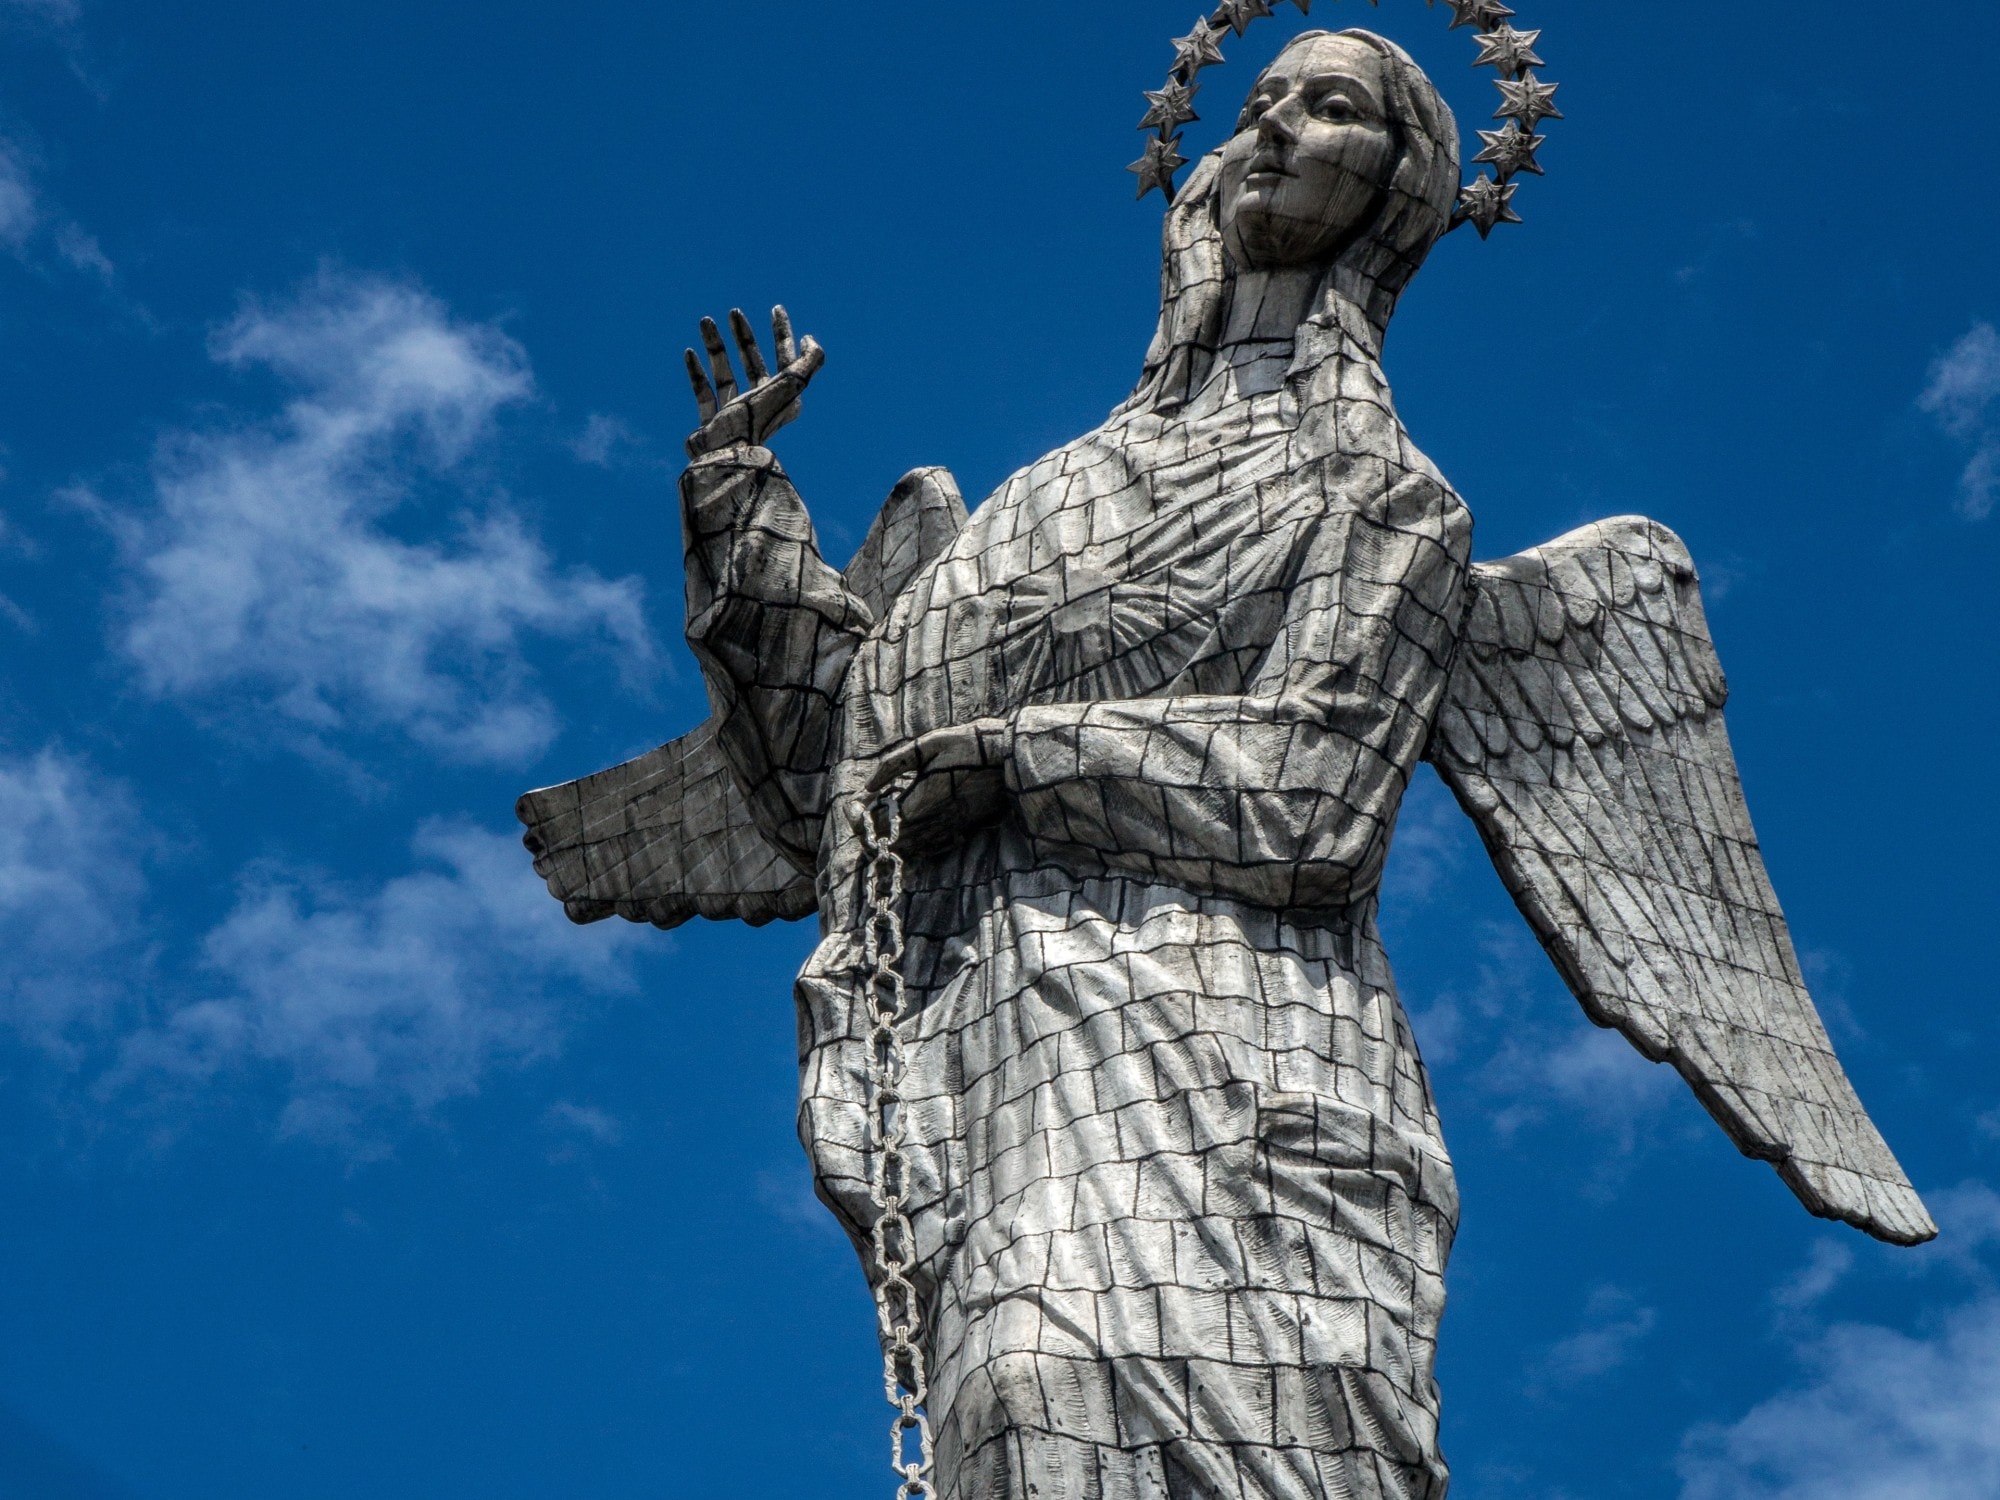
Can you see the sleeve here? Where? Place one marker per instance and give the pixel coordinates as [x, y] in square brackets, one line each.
[1286, 795]
[774, 629]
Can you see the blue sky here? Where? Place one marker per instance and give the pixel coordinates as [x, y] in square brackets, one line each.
[339, 407]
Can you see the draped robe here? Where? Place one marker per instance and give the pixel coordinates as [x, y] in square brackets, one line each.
[1182, 1202]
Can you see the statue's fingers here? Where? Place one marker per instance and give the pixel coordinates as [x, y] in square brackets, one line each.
[898, 763]
[718, 361]
[810, 357]
[781, 333]
[704, 394]
[776, 401]
[754, 373]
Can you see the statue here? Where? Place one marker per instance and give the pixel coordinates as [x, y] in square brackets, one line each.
[1102, 1063]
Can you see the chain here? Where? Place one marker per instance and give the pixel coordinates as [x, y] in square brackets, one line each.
[898, 1318]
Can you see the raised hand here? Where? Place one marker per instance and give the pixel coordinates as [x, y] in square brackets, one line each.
[767, 401]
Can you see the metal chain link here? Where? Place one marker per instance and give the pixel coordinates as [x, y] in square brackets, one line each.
[898, 1318]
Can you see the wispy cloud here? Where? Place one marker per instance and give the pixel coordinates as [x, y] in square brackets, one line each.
[1879, 1414]
[603, 439]
[277, 568]
[1827, 1267]
[49, 10]
[1882, 1416]
[374, 1002]
[1962, 396]
[29, 227]
[1529, 1069]
[1614, 1324]
[72, 847]
[1433, 838]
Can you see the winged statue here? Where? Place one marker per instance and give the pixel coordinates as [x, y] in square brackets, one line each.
[1096, 782]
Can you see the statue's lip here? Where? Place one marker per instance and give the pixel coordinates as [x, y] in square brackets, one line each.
[1268, 166]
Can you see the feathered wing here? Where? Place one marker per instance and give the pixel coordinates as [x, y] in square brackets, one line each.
[669, 836]
[660, 839]
[1583, 733]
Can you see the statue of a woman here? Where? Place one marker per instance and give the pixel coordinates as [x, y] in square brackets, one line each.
[1180, 1200]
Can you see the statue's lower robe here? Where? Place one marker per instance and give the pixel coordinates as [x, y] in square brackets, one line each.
[1187, 1203]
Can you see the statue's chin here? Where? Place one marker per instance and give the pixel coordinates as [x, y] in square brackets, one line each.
[1263, 242]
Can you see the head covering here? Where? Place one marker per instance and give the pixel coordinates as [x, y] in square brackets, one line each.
[1361, 288]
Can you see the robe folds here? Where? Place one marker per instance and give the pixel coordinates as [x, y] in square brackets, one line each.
[1182, 1202]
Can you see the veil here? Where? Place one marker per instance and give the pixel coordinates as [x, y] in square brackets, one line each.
[1361, 287]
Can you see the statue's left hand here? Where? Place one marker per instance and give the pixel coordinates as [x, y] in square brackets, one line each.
[956, 781]
[767, 401]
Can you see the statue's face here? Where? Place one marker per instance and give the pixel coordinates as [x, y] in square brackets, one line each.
[1313, 155]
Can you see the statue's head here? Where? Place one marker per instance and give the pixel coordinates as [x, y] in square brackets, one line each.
[1343, 136]
[1345, 161]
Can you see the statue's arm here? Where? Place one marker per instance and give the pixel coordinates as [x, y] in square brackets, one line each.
[774, 628]
[1285, 795]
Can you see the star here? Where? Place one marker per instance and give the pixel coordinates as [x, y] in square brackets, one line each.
[1511, 150]
[1196, 50]
[1172, 105]
[1485, 14]
[1240, 13]
[1511, 51]
[1528, 100]
[1157, 167]
[1485, 203]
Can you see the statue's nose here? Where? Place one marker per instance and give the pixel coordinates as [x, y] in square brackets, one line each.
[1277, 124]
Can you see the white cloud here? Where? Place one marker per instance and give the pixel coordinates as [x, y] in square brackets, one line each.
[388, 1000]
[1883, 1417]
[585, 1120]
[1824, 1270]
[26, 220]
[20, 208]
[601, 439]
[1433, 836]
[1613, 1326]
[1964, 387]
[1880, 1414]
[269, 573]
[82, 252]
[1528, 1053]
[71, 880]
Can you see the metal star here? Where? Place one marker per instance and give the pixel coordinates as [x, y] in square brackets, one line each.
[1172, 105]
[1485, 14]
[1196, 50]
[1512, 52]
[1528, 100]
[1240, 13]
[1511, 150]
[1485, 203]
[1157, 167]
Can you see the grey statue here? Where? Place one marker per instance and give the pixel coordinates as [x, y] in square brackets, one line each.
[1178, 1203]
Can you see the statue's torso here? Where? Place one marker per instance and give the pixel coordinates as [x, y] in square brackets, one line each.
[1143, 559]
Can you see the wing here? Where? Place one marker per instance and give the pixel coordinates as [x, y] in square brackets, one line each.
[669, 836]
[1583, 733]
[661, 839]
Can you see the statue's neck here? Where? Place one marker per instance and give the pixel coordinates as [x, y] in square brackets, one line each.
[1262, 322]
[1266, 307]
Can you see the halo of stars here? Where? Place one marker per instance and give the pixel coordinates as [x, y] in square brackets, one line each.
[1487, 200]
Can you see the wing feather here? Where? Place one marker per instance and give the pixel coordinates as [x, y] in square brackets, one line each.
[1583, 732]
[661, 839]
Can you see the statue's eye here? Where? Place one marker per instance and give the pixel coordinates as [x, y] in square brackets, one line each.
[1259, 107]
[1336, 107]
